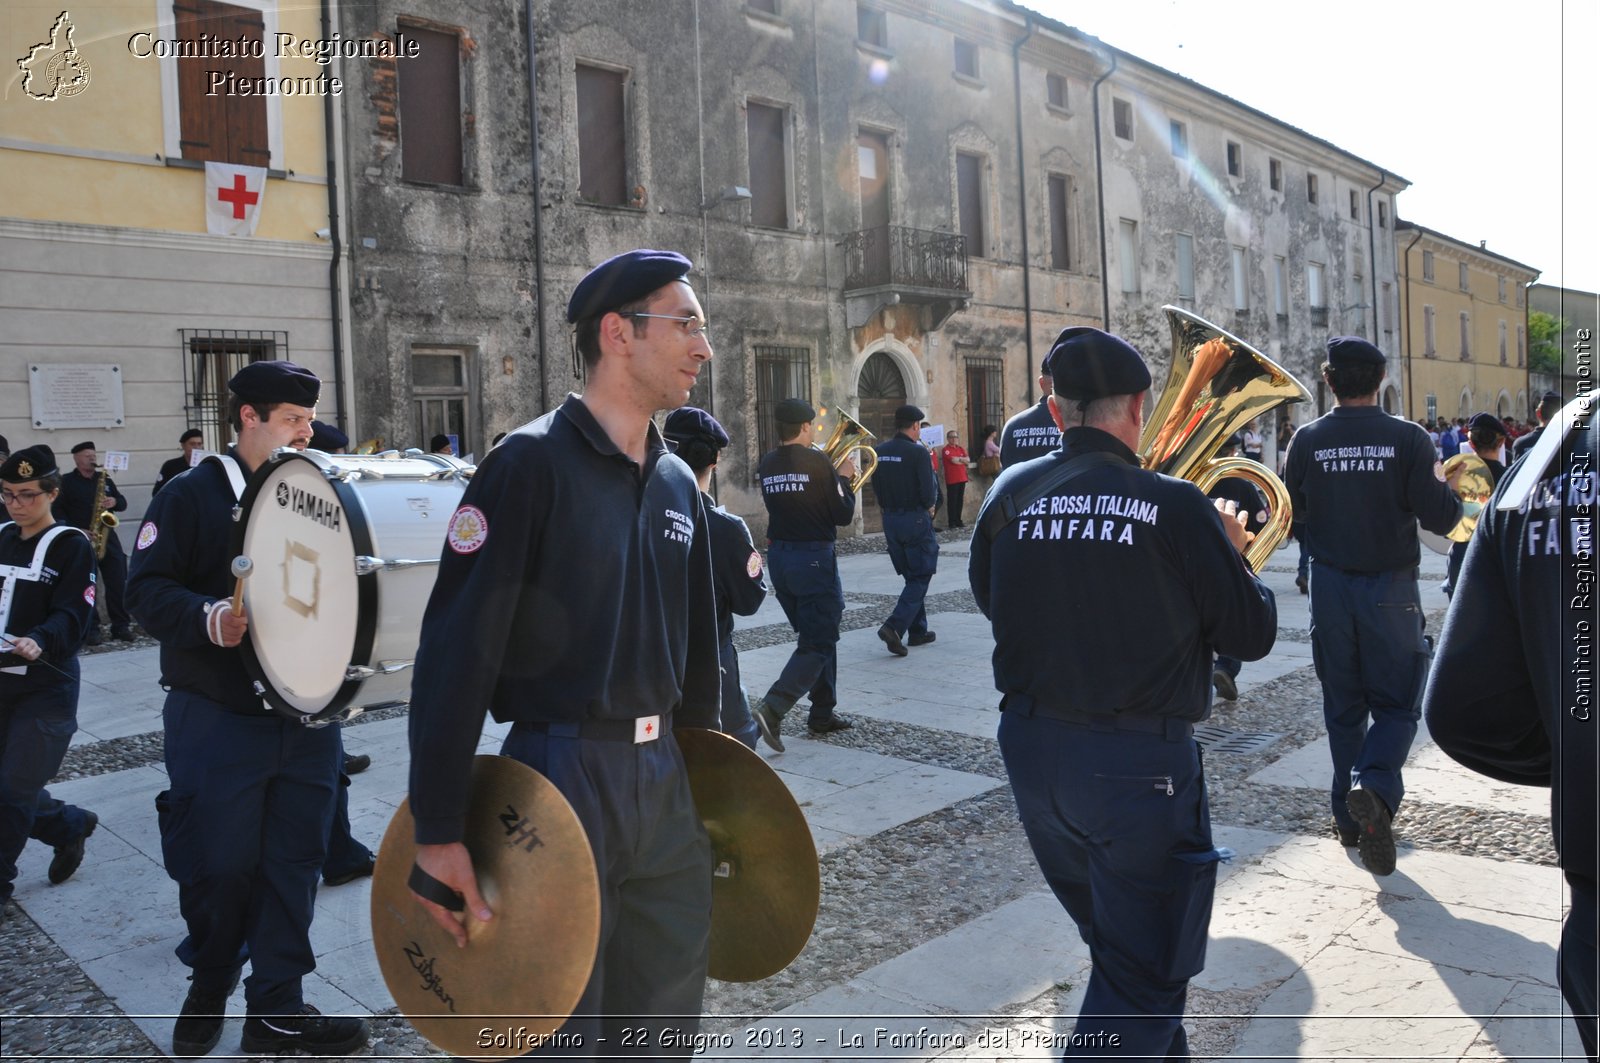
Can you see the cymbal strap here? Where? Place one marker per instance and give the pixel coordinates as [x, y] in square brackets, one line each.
[429, 888]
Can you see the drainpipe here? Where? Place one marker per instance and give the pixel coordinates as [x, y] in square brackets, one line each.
[538, 212]
[1022, 198]
[1411, 352]
[330, 131]
[1372, 253]
[1100, 199]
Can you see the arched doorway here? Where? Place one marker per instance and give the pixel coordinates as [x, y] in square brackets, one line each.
[881, 389]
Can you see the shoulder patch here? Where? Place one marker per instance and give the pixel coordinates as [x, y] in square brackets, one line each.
[147, 535]
[468, 530]
[1438, 471]
[88, 595]
[752, 567]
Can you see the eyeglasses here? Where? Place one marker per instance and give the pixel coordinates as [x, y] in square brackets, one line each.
[25, 497]
[692, 326]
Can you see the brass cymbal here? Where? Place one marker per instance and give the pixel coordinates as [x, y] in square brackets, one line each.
[766, 883]
[522, 972]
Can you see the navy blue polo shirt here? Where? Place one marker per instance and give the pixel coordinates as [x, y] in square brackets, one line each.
[1359, 481]
[806, 499]
[1030, 434]
[180, 564]
[904, 479]
[1113, 594]
[574, 585]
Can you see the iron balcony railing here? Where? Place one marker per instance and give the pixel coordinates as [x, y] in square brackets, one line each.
[897, 255]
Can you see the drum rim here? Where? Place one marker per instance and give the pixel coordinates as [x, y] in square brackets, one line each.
[366, 588]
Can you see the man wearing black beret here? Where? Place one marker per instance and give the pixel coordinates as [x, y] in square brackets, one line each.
[1109, 589]
[907, 493]
[191, 442]
[245, 821]
[1031, 433]
[75, 506]
[807, 501]
[575, 601]
[47, 590]
[1360, 481]
[1549, 405]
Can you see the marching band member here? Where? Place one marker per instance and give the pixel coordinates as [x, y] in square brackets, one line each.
[47, 571]
[907, 495]
[1031, 433]
[74, 505]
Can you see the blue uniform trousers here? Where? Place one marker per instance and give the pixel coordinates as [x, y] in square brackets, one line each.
[345, 854]
[654, 862]
[1120, 826]
[736, 718]
[806, 579]
[36, 727]
[1366, 642]
[244, 830]
[915, 554]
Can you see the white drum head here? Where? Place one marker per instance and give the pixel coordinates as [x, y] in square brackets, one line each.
[302, 596]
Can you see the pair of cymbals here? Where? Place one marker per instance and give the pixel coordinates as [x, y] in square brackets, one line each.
[524, 971]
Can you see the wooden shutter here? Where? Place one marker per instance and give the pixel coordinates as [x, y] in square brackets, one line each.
[226, 127]
[430, 109]
[602, 140]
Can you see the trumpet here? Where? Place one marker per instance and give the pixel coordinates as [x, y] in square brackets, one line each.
[849, 436]
[1218, 384]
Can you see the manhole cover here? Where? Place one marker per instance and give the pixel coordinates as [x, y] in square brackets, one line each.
[1218, 740]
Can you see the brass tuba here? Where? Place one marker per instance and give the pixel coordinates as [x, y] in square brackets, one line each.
[1473, 488]
[1216, 386]
[849, 436]
[100, 521]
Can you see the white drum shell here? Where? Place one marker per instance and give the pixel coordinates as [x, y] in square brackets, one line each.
[318, 622]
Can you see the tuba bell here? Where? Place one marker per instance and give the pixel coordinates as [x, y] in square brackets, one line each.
[849, 436]
[1216, 386]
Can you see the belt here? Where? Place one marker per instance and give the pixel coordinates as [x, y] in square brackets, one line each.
[1169, 727]
[1391, 573]
[643, 729]
[907, 509]
[800, 544]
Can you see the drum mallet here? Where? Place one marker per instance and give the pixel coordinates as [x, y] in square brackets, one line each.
[241, 568]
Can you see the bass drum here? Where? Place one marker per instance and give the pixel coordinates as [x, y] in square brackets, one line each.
[343, 552]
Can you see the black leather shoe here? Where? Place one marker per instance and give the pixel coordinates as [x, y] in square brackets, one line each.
[94, 638]
[1300, 581]
[1348, 836]
[891, 639]
[1376, 841]
[832, 723]
[922, 639]
[199, 1025]
[122, 634]
[1224, 685]
[355, 765]
[361, 870]
[768, 722]
[70, 855]
[307, 1031]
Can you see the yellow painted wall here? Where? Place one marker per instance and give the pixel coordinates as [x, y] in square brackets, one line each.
[120, 112]
[1445, 374]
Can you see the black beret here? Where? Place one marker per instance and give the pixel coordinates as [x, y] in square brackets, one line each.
[195, 433]
[85, 445]
[1086, 363]
[327, 438]
[438, 443]
[1049, 361]
[1487, 422]
[1549, 396]
[908, 415]
[276, 382]
[29, 463]
[690, 422]
[622, 279]
[4, 446]
[1352, 351]
[794, 411]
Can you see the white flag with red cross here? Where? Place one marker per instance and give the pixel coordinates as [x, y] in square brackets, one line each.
[233, 198]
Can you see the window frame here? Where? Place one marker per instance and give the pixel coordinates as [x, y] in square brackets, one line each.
[786, 166]
[795, 362]
[464, 393]
[625, 132]
[1128, 255]
[172, 92]
[1122, 109]
[1183, 260]
[972, 51]
[991, 408]
[1061, 227]
[976, 236]
[1313, 193]
[875, 19]
[432, 151]
[1275, 174]
[1051, 81]
[210, 358]
[1234, 158]
[1178, 131]
[1239, 260]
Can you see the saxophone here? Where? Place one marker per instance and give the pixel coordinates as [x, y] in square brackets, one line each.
[100, 521]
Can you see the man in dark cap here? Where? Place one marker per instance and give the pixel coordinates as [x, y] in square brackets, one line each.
[1360, 481]
[440, 444]
[575, 601]
[75, 507]
[1098, 706]
[328, 439]
[47, 589]
[737, 570]
[1549, 406]
[244, 824]
[1512, 692]
[907, 494]
[807, 501]
[1031, 433]
[191, 442]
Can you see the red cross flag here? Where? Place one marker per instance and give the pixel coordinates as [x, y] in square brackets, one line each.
[233, 198]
